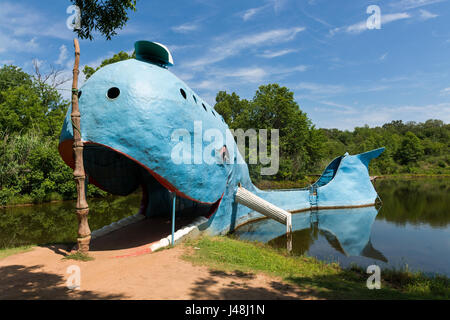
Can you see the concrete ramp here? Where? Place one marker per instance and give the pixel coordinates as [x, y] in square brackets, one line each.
[252, 201]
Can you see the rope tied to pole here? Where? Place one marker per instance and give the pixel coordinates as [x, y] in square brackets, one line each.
[74, 126]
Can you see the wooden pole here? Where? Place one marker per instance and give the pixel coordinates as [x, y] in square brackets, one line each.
[174, 195]
[82, 208]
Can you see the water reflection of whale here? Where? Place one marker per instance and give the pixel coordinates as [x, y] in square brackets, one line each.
[346, 230]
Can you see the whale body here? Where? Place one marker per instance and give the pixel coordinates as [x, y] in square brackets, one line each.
[129, 112]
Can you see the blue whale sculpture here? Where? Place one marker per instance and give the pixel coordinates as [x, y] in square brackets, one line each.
[129, 112]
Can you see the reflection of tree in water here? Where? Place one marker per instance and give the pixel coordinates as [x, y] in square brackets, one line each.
[57, 222]
[415, 201]
[301, 240]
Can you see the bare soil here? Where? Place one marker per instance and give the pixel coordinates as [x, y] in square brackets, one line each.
[124, 269]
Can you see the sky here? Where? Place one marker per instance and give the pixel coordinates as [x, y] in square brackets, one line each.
[343, 74]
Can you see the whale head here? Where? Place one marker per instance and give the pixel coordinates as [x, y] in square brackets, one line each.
[143, 126]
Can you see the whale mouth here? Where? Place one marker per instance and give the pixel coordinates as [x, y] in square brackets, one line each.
[120, 174]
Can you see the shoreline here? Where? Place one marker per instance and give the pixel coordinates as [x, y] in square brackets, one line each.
[263, 184]
[220, 258]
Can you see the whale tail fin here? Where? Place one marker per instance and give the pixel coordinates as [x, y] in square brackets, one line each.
[346, 181]
[366, 157]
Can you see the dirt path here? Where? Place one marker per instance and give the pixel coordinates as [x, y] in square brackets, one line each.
[42, 274]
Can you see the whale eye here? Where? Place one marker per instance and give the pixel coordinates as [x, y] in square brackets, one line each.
[113, 93]
[183, 93]
[224, 153]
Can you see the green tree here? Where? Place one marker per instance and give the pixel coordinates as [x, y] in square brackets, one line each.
[21, 109]
[26, 103]
[89, 71]
[274, 107]
[12, 77]
[104, 16]
[233, 110]
[410, 150]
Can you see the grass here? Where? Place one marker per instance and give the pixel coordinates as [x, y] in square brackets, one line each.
[309, 179]
[412, 176]
[25, 200]
[164, 248]
[79, 256]
[10, 251]
[326, 280]
[285, 184]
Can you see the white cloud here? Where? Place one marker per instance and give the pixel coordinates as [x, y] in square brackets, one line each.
[445, 91]
[277, 6]
[383, 56]
[273, 54]
[425, 15]
[319, 88]
[299, 68]
[411, 4]
[341, 108]
[362, 25]
[387, 18]
[62, 55]
[414, 112]
[212, 79]
[319, 20]
[206, 84]
[186, 28]
[347, 117]
[248, 14]
[254, 74]
[225, 49]
[2, 62]
[174, 47]
[320, 91]
[22, 27]
[18, 20]
[8, 43]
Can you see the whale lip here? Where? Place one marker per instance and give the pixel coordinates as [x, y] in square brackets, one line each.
[65, 150]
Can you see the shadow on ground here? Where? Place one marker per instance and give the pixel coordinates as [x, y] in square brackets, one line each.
[344, 285]
[21, 282]
[137, 234]
[60, 249]
[348, 285]
[237, 285]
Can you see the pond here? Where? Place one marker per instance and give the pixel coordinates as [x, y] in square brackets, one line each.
[57, 222]
[412, 228]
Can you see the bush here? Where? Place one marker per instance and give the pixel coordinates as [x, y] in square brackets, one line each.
[30, 165]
